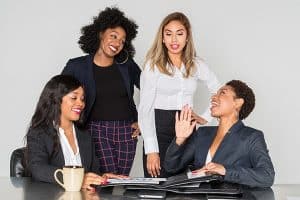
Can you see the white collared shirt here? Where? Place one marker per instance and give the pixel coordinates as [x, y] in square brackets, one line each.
[160, 91]
[69, 156]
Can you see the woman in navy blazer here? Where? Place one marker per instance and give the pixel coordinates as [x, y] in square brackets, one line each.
[233, 150]
[108, 74]
[54, 140]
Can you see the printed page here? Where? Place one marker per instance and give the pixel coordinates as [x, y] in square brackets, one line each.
[136, 180]
[192, 175]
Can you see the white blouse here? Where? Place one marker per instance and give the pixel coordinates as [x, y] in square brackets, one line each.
[71, 158]
[208, 157]
[160, 91]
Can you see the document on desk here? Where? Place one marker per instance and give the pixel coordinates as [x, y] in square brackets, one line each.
[136, 180]
[192, 175]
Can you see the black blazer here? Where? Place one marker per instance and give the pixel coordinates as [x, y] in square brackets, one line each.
[82, 69]
[40, 146]
[243, 152]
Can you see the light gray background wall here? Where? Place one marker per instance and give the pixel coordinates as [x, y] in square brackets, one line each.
[256, 41]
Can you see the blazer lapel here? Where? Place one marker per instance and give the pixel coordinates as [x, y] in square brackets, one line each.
[81, 146]
[59, 157]
[125, 74]
[227, 146]
[91, 80]
[206, 139]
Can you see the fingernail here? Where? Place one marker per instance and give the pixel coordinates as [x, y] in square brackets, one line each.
[103, 183]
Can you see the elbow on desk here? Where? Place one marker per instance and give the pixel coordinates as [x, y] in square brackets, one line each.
[270, 179]
[262, 180]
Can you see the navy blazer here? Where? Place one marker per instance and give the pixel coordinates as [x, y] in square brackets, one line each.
[40, 146]
[82, 69]
[243, 152]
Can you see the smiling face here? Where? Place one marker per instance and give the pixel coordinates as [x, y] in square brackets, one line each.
[112, 41]
[225, 103]
[174, 37]
[72, 105]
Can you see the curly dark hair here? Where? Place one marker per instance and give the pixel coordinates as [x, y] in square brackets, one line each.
[112, 17]
[242, 90]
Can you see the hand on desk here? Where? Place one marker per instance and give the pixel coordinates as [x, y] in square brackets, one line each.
[111, 175]
[212, 168]
[94, 179]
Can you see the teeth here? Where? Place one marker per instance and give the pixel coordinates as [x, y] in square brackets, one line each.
[113, 48]
[214, 104]
[76, 110]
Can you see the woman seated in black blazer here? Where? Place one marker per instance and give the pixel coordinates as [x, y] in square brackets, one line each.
[54, 141]
[233, 150]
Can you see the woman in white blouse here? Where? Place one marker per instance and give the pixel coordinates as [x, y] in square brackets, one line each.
[54, 141]
[168, 82]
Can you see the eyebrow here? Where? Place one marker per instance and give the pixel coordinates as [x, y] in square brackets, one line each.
[223, 89]
[115, 32]
[172, 31]
[73, 92]
[118, 34]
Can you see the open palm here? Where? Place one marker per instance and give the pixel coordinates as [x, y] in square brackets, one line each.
[184, 125]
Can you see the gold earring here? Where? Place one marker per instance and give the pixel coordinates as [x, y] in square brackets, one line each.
[125, 60]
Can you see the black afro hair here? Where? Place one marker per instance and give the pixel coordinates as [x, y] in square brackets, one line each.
[111, 17]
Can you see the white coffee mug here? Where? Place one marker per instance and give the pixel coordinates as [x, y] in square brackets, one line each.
[72, 177]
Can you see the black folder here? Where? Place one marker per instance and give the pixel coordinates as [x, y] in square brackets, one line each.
[180, 180]
[210, 188]
[181, 184]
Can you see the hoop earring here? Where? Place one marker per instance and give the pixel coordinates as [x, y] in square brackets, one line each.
[125, 60]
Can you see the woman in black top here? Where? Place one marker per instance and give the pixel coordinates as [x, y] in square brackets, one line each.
[109, 74]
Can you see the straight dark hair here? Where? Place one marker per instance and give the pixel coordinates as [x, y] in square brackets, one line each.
[48, 109]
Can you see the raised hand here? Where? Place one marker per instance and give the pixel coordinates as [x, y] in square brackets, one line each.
[184, 125]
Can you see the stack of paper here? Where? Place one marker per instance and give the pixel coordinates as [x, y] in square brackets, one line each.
[191, 175]
[137, 180]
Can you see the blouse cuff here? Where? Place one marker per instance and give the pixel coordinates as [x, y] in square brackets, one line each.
[151, 146]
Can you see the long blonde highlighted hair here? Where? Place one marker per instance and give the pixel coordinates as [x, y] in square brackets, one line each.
[158, 53]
